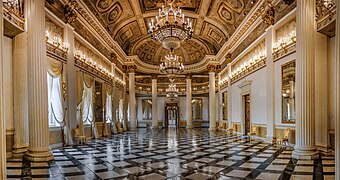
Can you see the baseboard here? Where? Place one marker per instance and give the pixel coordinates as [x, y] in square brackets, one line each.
[56, 146]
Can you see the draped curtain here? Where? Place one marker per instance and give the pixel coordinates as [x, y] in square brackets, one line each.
[87, 107]
[55, 97]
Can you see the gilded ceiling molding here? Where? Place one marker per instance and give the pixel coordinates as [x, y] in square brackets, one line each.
[269, 17]
[244, 27]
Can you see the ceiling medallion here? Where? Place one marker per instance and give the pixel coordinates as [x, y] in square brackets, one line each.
[171, 27]
[172, 92]
[171, 66]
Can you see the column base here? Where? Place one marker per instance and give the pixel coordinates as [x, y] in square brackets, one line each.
[133, 129]
[305, 152]
[154, 127]
[189, 127]
[212, 129]
[39, 156]
[271, 140]
[19, 152]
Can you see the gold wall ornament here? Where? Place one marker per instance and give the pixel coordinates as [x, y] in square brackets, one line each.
[70, 12]
[130, 68]
[214, 68]
[154, 76]
[228, 58]
[269, 17]
[64, 86]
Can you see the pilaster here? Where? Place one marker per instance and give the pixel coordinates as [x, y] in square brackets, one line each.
[188, 101]
[229, 98]
[71, 77]
[337, 90]
[212, 96]
[270, 99]
[2, 120]
[154, 102]
[132, 97]
[114, 97]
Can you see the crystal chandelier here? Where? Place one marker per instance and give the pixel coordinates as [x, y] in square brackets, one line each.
[171, 27]
[171, 66]
[172, 92]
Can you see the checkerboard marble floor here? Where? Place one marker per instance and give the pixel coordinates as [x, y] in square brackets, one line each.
[173, 154]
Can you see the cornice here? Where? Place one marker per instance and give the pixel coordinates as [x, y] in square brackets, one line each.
[91, 22]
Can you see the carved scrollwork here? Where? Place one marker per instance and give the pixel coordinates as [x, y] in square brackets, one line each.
[269, 17]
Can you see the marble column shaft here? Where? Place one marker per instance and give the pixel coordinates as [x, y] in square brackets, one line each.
[220, 107]
[229, 98]
[20, 95]
[125, 107]
[154, 104]
[270, 112]
[132, 101]
[337, 89]
[2, 120]
[114, 97]
[71, 77]
[188, 103]
[212, 102]
[305, 61]
[37, 84]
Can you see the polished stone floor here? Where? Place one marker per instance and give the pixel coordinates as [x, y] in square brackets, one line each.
[173, 154]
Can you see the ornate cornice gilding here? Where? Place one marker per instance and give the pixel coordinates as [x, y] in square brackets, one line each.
[269, 17]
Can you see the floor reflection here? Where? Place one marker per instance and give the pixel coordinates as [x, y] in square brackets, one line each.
[173, 154]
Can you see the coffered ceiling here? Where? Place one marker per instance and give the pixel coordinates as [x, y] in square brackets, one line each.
[213, 21]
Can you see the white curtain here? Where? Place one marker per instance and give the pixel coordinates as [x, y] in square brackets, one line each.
[55, 98]
[108, 108]
[55, 107]
[87, 105]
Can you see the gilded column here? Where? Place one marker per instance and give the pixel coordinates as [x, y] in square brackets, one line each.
[2, 120]
[212, 97]
[189, 99]
[305, 136]
[337, 90]
[38, 149]
[154, 102]
[270, 112]
[71, 78]
[132, 97]
[20, 95]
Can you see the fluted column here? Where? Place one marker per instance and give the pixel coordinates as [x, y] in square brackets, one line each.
[188, 103]
[220, 107]
[229, 98]
[38, 149]
[337, 90]
[154, 102]
[305, 136]
[212, 97]
[132, 98]
[270, 112]
[114, 97]
[2, 120]
[71, 78]
[20, 95]
[125, 106]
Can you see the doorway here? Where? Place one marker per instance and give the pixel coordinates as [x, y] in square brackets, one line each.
[171, 115]
[246, 114]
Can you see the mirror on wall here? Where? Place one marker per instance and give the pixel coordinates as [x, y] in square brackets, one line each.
[288, 92]
[98, 102]
[196, 109]
[225, 105]
[147, 109]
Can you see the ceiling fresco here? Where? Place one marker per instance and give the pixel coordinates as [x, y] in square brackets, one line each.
[214, 21]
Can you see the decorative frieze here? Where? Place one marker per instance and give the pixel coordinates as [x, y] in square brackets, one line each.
[285, 40]
[13, 12]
